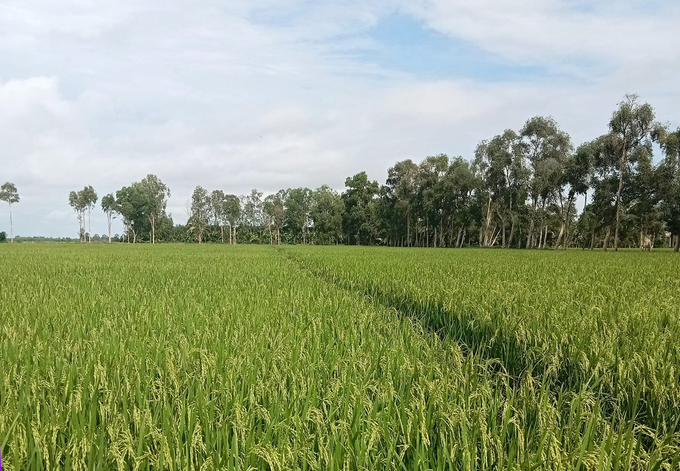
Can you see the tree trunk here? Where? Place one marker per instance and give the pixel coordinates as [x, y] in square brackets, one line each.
[531, 222]
[488, 223]
[677, 243]
[441, 233]
[622, 168]
[495, 236]
[153, 230]
[11, 224]
[642, 246]
[559, 236]
[605, 246]
[462, 241]
[460, 234]
[408, 230]
[427, 233]
[222, 232]
[512, 233]
[235, 240]
[545, 237]
[109, 221]
[592, 240]
[89, 225]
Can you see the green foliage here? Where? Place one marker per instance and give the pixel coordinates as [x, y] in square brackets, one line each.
[201, 211]
[359, 219]
[3, 236]
[9, 193]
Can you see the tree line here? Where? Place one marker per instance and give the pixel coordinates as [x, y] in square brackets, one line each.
[519, 190]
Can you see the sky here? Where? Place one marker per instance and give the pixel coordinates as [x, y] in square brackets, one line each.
[267, 94]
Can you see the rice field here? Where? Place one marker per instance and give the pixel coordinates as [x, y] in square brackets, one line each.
[313, 358]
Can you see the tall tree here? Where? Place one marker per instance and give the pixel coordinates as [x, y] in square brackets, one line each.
[201, 209]
[156, 194]
[88, 199]
[326, 214]
[577, 176]
[110, 208]
[359, 217]
[131, 202]
[10, 195]
[500, 163]
[546, 148]
[460, 184]
[631, 125]
[252, 216]
[274, 208]
[668, 178]
[297, 215]
[217, 198]
[232, 214]
[76, 202]
[605, 182]
[430, 195]
[402, 189]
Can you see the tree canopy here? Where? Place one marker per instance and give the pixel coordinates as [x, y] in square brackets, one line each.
[520, 189]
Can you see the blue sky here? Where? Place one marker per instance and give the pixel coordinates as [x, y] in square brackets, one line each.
[406, 44]
[271, 94]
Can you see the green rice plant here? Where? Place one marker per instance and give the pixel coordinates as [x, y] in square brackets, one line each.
[606, 323]
[211, 357]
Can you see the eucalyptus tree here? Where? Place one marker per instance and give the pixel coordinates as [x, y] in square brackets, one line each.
[201, 210]
[110, 208]
[605, 182]
[326, 215]
[156, 195]
[131, 204]
[88, 199]
[76, 202]
[297, 217]
[631, 126]
[576, 177]
[430, 195]
[226, 211]
[274, 208]
[401, 192]
[231, 210]
[216, 201]
[359, 219]
[10, 195]
[460, 183]
[668, 179]
[252, 216]
[500, 163]
[546, 148]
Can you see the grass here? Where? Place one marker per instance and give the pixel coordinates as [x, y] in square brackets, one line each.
[211, 357]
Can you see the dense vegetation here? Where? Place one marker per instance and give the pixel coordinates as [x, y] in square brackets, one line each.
[188, 357]
[521, 189]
